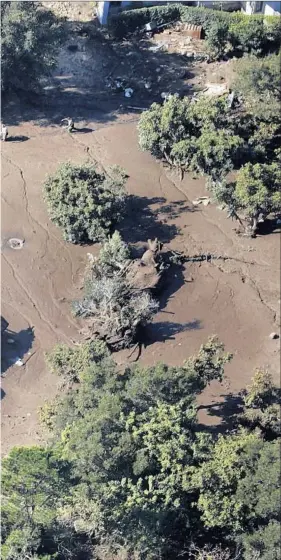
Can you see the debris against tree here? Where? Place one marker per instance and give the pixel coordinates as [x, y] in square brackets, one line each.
[118, 292]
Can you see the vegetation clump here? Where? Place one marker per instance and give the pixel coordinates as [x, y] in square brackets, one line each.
[84, 202]
[128, 474]
[30, 40]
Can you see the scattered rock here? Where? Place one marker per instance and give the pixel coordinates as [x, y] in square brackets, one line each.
[274, 336]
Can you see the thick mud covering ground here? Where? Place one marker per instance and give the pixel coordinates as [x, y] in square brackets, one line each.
[236, 299]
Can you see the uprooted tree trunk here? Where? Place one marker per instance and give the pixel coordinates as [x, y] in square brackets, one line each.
[119, 299]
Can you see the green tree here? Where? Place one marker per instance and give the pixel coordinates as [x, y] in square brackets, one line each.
[257, 190]
[262, 405]
[191, 135]
[132, 439]
[85, 203]
[30, 41]
[240, 492]
[34, 481]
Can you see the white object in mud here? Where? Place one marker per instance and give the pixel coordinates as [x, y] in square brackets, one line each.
[128, 92]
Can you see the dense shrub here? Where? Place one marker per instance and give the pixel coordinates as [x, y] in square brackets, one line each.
[129, 475]
[128, 21]
[254, 34]
[30, 40]
[255, 192]
[258, 81]
[191, 136]
[84, 202]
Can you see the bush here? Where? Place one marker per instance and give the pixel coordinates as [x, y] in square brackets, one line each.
[84, 202]
[257, 189]
[127, 22]
[217, 38]
[243, 33]
[30, 40]
[258, 81]
[248, 35]
[191, 135]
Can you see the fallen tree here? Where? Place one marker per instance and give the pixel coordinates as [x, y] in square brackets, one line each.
[118, 292]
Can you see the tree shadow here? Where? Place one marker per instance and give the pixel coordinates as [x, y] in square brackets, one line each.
[269, 226]
[227, 411]
[171, 281]
[142, 223]
[20, 138]
[167, 330]
[83, 130]
[16, 350]
[175, 208]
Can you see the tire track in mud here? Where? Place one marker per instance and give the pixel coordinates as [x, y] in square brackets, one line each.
[41, 316]
[32, 219]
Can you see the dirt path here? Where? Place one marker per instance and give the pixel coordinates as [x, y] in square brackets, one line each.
[238, 301]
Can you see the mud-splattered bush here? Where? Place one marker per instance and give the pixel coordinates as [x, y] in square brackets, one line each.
[83, 202]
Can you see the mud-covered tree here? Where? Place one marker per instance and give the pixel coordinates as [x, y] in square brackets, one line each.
[30, 41]
[84, 202]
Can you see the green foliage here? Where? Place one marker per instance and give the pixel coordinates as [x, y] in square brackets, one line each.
[258, 189]
[262, 405]
[255, 34]
[248, 35]
[216, 152]
[131, 476]
[71, 363]
[30, 41]
[217, 38]
[191, 135]
[258, 81]
[85, 203]
[240, 490]
[127, 22]
[33, 483]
